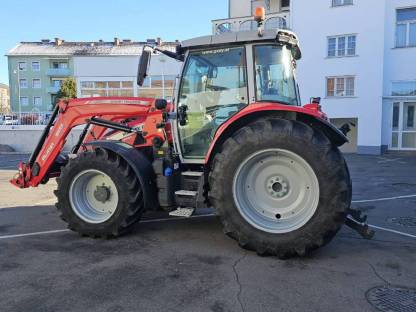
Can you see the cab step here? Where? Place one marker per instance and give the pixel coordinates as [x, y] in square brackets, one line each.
[191, 180]
[192, 174]
[186, 198]
[182, 212]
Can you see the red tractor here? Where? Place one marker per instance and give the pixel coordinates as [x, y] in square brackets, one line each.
[234, 138]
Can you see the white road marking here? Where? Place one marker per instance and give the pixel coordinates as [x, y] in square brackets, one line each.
[32, 234]
[66, 230]
[382, 199]
[391, 231]
[386, 160]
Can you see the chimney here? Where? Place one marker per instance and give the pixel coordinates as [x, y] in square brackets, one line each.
[158, 41]
[116, 41]
[58, 41]
[45, 40]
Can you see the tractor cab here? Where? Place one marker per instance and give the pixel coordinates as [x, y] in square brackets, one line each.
[224, 74]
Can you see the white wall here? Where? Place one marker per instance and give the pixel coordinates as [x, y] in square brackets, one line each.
[314, 21]
[240, 8]
[400, 63]
[24, 138]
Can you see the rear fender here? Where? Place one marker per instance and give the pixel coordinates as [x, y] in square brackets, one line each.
[311, 117]
[139, 163]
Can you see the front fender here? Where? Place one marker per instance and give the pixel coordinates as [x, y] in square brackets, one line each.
[312, 117]
[139, 163]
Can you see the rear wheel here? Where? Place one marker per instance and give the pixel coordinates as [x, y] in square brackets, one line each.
[99, 195]
[290, 188]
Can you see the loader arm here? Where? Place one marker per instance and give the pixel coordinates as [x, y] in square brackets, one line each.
[73, 113]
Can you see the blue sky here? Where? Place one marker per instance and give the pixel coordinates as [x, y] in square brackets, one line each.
[78, 20]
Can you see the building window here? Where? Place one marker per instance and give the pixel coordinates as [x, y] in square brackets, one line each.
[35, 66]
[36, 84]
[406, 28]
[59, 65]
[57, 83]
[340, 86]
[22, 66]
[339, 46]
[24, 101]
[336, 3]
[158, 87]
[23, 83]
[106, 88]
[404, 88]
[37, 101]
[285, 5]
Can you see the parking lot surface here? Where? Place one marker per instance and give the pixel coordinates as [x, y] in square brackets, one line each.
[189, 265]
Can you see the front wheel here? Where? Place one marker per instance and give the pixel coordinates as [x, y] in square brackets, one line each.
[290, 188]
[99, 195]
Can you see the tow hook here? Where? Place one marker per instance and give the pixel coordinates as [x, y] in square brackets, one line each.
[358, 222]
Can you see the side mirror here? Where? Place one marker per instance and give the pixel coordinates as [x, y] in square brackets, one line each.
[143, 65]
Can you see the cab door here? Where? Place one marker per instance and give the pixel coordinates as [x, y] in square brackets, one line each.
[213, 88]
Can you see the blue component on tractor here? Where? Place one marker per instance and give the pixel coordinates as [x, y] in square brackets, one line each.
[168, 172]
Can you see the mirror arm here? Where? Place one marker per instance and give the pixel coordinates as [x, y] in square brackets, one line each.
[176, 56]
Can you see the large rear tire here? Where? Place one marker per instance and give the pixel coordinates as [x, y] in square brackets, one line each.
[99, 195]
[280, 188]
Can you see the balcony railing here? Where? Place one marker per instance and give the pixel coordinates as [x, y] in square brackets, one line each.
[53, 89]
[273, 21]
[60, 72]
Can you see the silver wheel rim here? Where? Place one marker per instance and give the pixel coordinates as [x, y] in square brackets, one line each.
[93, 196]
[276, 191]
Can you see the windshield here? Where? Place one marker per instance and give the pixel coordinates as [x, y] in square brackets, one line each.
[275, 81]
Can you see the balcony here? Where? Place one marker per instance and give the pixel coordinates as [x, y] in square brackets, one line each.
[53, 90]
[58, 72]
[247, 23]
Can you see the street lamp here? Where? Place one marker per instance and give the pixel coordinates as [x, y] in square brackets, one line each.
[17, 71]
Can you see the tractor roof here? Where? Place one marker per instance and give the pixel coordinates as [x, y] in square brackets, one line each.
[276, 35]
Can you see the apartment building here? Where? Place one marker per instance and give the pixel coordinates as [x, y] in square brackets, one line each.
[4, 99]
[358, 55]
[37, 70]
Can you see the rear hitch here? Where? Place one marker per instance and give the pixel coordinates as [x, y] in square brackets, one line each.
[358, 222]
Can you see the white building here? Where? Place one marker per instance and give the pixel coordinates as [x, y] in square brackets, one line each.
[113, 72]
[358, 55]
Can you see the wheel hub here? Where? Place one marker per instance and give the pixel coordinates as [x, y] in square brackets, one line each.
[102, 193]
[278, 187]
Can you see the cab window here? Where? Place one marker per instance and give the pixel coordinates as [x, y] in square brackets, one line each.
[275, 80]
[214, 88]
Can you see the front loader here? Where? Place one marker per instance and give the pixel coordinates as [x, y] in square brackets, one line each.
[234, 138]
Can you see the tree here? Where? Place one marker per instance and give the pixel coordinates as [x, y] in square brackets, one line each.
[68, 90]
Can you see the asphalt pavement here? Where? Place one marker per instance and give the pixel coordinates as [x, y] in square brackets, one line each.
[189, 265]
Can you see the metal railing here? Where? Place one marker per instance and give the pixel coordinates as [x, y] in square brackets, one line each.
[25, 119]
[60, 72]
[247, 23]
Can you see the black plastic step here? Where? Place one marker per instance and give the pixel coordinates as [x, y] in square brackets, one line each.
[191, 180]
[186, 198]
